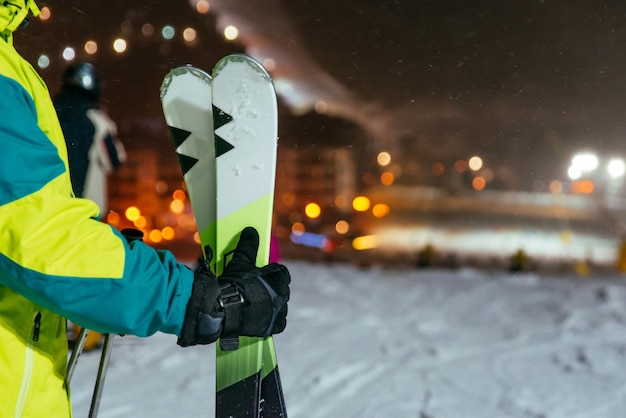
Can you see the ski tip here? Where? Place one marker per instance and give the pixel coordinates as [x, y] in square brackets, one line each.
[179, 71]
[241, 58]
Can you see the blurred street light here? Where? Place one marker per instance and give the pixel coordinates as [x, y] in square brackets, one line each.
[585, 175]
[475, 163]
[582, 164]
[616, 168]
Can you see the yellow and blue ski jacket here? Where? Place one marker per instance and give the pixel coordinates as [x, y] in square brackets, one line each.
[56, 259]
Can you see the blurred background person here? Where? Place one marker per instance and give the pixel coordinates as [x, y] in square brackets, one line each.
[93, 148]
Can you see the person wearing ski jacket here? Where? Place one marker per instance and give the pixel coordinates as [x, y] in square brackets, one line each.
[58, 261]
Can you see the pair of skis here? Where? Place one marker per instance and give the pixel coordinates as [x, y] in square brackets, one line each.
[224, 127]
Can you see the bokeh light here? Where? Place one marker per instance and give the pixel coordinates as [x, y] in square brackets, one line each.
[43, 61]
[361, 203]
[168, 233]
[68, 53]
[140, 222]
[189, 34]
[475, 163]
[45, 13]
[91, 47]
[289, 199]
[616, 168]
[155, 236]
[147, 29]
[113, 218]
[387, 178]
[231, 32]
[179, 195]
[203, 6]
[366, 242]
[177, 206]
[119, 45]
[380, 210]
[298, 228]
[479, 183]
[342, 201]
[383, 158]
[438, 169]
[556, 187]
[313, 210]
[460, 166]
[168, 32]
[342, 227]
[132, 213]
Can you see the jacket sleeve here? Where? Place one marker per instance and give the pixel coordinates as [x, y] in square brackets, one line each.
[54, 252]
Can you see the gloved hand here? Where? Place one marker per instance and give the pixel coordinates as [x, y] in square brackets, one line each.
[205, 313]
[246, 301]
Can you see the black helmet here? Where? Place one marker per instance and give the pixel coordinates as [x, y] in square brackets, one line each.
[82, 76]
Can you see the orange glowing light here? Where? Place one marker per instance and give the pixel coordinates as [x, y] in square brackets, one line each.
[168, 233]
[155, 235]
[113, 218]
[586, 187]
[342, 201]
[438, 169]
[479, 183]
[203, 7]
[460, 166]
[177, 206]
[179, 195]
[342, 227]
[556, 187]
[140, 222]
[289, 199]
[387, 178]
[298, 228]
[45, 13]
[91, 47]
[380, 209]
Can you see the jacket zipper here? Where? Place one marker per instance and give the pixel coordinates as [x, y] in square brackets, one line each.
[36, 327]
[28, 366]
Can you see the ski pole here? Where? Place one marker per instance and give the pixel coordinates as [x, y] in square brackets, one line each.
[102, 370]
[130, 235]
[79, 344]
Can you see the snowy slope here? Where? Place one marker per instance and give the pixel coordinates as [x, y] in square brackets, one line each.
[405, 343]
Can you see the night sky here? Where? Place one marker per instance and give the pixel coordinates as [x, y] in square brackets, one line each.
[524, 84]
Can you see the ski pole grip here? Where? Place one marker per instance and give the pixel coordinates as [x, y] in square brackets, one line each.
[132, 234]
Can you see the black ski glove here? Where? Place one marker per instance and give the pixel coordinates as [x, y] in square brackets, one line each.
[255, 299]
[248, 301]
[205, 313]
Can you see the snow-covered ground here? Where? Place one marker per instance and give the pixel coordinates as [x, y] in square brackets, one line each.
[379, 342]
